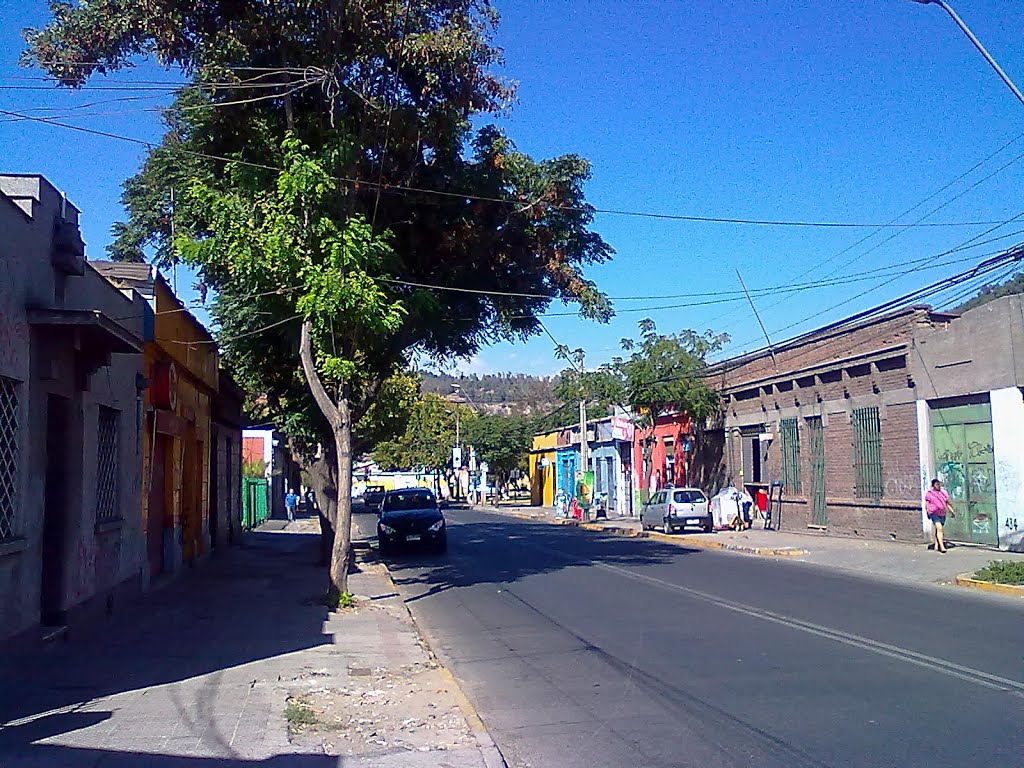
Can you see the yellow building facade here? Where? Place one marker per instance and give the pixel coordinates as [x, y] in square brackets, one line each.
[542, 469]
[181, 367]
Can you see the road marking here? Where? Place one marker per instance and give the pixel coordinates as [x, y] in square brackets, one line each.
[932, 663]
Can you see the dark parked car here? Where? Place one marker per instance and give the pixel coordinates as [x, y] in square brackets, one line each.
[411, 516]
[372, 497]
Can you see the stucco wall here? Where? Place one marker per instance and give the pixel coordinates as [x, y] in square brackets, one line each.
[98, 562]
[1008, 454]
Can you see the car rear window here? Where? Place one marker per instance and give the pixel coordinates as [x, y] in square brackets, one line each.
[689, 497]
[413, 500]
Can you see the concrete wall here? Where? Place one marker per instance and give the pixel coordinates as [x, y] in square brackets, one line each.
[1008, 455]
[981, 351]
[100, 562]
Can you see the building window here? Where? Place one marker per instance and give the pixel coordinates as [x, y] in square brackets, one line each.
[670, 460]
[8, 457]
[867, 454]
[107, 444]
[790, 455]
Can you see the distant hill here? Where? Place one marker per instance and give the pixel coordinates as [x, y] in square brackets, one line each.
[506, 393]
[989, 293]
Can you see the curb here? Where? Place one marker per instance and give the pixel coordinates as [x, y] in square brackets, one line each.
[682, 542]
[489, 751]
[966, 580]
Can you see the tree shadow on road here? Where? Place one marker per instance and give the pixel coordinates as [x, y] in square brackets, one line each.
[500, 551]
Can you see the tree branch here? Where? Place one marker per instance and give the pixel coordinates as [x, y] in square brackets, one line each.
[316, 387]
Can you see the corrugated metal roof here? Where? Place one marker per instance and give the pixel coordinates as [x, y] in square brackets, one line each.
[126, 274]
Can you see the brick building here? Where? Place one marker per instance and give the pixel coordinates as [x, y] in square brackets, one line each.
[853, 420]
[832, 416]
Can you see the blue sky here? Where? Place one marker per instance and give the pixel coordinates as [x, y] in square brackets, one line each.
[767, 109]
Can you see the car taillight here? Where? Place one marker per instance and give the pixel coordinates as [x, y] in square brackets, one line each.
[672, 510]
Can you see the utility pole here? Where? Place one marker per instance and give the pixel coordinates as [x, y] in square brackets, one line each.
[584, 458]
[977, 44]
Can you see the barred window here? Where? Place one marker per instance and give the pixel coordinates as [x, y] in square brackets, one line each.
[107, 444]
[790, 455]
[867, 454]
[8, 457]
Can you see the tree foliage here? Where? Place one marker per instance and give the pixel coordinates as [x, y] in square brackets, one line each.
[602, 388]
[428, 437]
[664, 373]
[503, 442]
[325, 162]
[1011, 287]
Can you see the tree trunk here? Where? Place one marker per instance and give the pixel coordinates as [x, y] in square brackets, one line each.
[325, 485]
[342, 551]
[338, 416]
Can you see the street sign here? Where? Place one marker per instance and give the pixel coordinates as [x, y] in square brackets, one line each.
[457, 457]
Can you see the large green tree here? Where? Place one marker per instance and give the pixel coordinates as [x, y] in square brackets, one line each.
[432, 429]
[339, 134]
[664, 373]
[503, 442]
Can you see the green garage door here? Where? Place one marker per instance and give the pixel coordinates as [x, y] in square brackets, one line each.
[962, 442]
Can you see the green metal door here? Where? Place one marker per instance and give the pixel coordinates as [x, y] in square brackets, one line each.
[816, 435]
[962, 443]
[254, 502]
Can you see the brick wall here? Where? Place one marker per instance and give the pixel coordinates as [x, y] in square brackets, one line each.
[828, 378]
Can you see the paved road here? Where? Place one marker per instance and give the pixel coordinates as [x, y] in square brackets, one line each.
[584, 649]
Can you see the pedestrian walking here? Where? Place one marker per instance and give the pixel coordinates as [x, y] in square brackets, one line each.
[937, 505]
[310, 501]
[291, 501]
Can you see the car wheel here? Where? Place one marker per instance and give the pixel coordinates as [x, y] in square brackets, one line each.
[709, 527]
[383, 548]
[667, 527]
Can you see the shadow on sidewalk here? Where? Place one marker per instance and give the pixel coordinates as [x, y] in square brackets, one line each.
[472, 558]
[256, 602]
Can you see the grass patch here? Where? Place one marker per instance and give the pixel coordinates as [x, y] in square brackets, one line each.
[337, 602]
[1003, 572]
[297, 713]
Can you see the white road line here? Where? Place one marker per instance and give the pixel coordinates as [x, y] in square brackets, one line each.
[932, 663]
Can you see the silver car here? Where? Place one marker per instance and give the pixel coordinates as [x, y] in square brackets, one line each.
[673, 509]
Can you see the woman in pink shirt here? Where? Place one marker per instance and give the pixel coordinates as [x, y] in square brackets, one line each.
[937, 504]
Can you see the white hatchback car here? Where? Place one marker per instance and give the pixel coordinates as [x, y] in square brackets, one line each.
[673, 509]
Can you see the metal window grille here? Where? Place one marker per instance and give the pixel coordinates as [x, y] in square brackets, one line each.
[790, 455]
[867, 454]
[107, 440]
[8, 457]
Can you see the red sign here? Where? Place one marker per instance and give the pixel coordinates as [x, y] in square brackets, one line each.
[163, 390]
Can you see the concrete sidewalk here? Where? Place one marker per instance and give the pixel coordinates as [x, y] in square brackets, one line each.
[202, 673]
[888, 560]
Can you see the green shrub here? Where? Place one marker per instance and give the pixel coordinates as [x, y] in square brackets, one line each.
[297, 713]
[1003, 572]
[344, 600]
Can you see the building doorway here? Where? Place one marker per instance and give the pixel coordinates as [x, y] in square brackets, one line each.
[816, 438]
[963, 447]
[55, 512]
[156, 509]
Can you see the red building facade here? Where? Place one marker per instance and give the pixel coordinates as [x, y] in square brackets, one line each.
[670, 454]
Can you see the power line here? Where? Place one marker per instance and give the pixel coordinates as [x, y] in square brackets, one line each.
[387, 187]
[914, 207]
[1015, 254]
